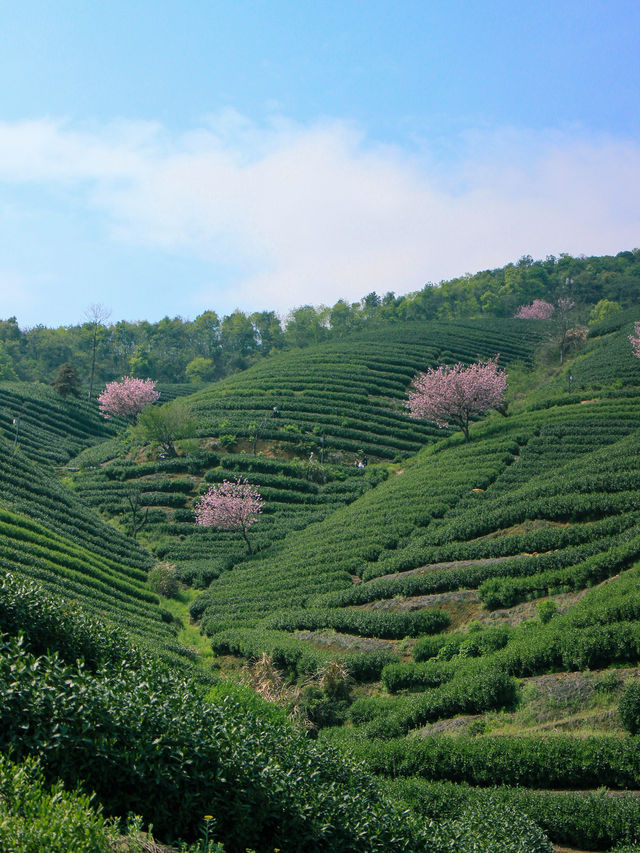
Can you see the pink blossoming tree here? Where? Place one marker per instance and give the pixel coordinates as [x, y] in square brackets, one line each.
[230, 506]
[454, 395]
[562, 331]
[127, 398]
[538, 310]
[635, 340]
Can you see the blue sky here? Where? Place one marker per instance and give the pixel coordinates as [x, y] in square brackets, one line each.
[168, 158]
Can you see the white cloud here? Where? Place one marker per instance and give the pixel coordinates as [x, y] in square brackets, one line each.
[315, 213]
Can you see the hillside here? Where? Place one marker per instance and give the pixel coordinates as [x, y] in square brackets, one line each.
[340, 402]
[49, 535]
[50, 430]
[460, 617]
[540, 506]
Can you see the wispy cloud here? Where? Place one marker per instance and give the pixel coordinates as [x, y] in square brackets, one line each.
[313, 213]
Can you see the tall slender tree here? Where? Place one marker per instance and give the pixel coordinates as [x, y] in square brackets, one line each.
[97, 315]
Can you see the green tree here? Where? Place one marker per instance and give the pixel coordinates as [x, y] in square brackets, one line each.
[140, 362]
[67, 381]
[307, 325]
[165, 424]
[7, 371]
[200, 369]
[268, 331]
[205, 335]
[604, 310]
[343, 318]
[238, 339]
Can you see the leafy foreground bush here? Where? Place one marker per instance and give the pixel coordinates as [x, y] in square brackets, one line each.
[489, 827]
[147, 742]
[33, 818]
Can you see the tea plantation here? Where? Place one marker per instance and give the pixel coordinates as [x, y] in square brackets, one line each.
[540, 506]
[50, 430]
[340, 402]
[348, 398]
[446, 641]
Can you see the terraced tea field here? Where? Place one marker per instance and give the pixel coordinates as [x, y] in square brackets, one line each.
[50, 430]
[463, 618]
[167, 490]
[347, 399]
[339, 402]
[540, 506]
[48, 535]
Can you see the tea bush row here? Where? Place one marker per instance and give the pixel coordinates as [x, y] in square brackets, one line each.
[594, 820]
[558, 762]
[471, 576]
[31, 490]
[366, 623]
[505, 592]
[473, 689]
[51, 431]
[178, 758]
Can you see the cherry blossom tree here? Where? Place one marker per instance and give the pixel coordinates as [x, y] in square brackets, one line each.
[453, 395]
[538, 310]
[230, 506]
[635, 339]
[127, 398]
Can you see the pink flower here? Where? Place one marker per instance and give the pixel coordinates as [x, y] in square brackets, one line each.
[538, 310]
[455, 394]
[128, 397]
[230, 506]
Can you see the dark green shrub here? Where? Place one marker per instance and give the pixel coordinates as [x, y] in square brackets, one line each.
[491, 826]
[546, 610]
[146, 741]
[629, 707]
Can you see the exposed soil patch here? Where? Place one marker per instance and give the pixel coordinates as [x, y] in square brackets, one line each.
[462, 605]
[455, 726]
[572, 702]
[420, 602]
[524, 527]
[576, 688]
[431, 567]
[332, 641]
[557, 849]
[527, 609]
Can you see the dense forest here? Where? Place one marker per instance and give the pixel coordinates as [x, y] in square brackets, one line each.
[211, 347]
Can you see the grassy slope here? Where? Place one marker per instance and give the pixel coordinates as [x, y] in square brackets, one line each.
[49, 535]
